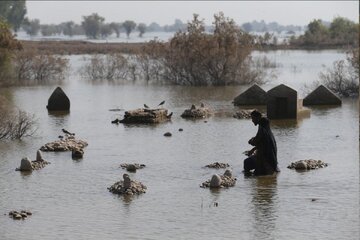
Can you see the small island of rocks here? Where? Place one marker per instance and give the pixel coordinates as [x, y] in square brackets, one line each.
[27, 165]
[127, 187]
[217, 165]
[307, 164]
[220, 181]
[19, 215]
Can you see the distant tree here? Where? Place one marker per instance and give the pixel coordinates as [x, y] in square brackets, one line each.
[92, 25]
[344, 31]
[142, 29]
[154, 27]
[247, 27]
[32, 27]
[13, 12]
[129, 27]
[68, 28]
[116, 27]
[105, 30]
[48, 30]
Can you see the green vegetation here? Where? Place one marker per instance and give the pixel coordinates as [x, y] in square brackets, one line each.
[8, 45]
[92, 25]
[13, 12]
[341, 32]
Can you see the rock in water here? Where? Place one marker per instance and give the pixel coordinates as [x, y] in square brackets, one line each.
[228, 173]
[301, 165]
[25, 165]
[131, 168]
[215, 181]
[39, 156]
[127, 181]
[58, 101]
[77, 153]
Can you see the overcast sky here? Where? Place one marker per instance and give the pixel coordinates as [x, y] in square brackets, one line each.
[165, 12]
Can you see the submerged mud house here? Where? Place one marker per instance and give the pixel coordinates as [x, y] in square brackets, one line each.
[58, 101]
[322, 96]
[282, 103]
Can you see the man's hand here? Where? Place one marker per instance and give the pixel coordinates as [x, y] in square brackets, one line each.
[252, 141]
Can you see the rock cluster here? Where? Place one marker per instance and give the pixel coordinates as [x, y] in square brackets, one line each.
[145, 115]
[194, 112]
[68, 143]
[27, 165]
[218, 165]
[17, 215]
[132, 167]
[307, 164]
[243, 114]
[216, 181]
[127, 187]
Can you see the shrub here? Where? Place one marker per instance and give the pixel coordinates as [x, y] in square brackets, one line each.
[113, 67]
[34, 67]
[15, 124]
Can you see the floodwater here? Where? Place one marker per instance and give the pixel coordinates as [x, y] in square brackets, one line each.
[69, 199]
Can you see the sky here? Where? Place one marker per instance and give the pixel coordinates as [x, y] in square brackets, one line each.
[165, 12]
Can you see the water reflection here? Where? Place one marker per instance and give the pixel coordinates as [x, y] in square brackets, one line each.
[263, 198]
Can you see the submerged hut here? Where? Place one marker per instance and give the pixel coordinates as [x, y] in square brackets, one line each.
[322, 96]
[58, 101]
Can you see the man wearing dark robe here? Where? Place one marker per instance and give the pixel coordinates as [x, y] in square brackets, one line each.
[263, 157]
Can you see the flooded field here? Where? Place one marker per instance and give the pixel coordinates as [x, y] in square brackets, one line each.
[69, 198]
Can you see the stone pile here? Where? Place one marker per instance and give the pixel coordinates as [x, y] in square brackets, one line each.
[218, 165]
[216, 181]
[307, 164]
[132, 167]
[145, 115]
[127, 187]
[194, 112]
[18, 215]
[243, 114]
[27, 165]
[69, 143]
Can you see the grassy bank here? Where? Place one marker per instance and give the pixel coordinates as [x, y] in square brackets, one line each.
[84, 47]
[80, 47]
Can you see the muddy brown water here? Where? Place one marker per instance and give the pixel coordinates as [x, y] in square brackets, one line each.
[69, 198]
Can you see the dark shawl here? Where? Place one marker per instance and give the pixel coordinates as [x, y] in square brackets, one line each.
[266, 154]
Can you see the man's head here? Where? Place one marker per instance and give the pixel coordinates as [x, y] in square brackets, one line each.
[255, 117]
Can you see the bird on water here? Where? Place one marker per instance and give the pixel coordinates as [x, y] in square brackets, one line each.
[146, 106]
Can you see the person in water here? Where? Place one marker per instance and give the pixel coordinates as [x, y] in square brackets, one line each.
[263, 156]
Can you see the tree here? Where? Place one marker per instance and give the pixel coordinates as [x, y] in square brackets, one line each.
[14, 12]
[105, 30]
[141, 28]
[195, 57]
[343, 31]
[116, 28]
[92, 25]
[68, 28]
[32, 27]
[8, 44]
[129, 27]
